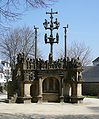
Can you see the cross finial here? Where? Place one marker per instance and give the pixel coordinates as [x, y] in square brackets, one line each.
[51, 12]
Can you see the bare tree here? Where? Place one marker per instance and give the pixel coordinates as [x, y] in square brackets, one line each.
[80, 50]
[18, 40]
[12, 9]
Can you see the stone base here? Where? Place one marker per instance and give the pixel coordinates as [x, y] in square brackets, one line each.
[61, 99]
[23, 100]
[76, 99]
[50, 97]
[39, 99]
[67, 99]
[7, 101]
[34, 99]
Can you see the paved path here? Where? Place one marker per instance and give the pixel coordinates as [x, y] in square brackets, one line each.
[11, 116]
[89, 106]
[89, 109]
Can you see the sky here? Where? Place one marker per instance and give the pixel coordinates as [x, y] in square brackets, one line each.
[82, 17]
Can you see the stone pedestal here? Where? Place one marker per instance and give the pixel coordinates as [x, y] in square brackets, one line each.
[40, 99]
[76, 99]
[76, 96]
[27, 90]
[79, 89]
[26, 97]
[61, 99]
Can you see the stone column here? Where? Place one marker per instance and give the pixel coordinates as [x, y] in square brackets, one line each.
[24, 96]
[40, 91]
[27, 97]
[47, 84]
[79, 89]
[74, 90]
[74, 93]
[77, 93]
[77, 76]
[54, 85]
[27, 90]
[61, 86]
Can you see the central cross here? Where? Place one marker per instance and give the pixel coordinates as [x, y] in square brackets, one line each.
[52, 25]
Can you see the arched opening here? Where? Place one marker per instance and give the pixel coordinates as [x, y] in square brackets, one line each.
[50, 85]
[34, 91]
[51, 89]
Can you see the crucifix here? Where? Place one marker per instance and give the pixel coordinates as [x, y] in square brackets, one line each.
[52, 25]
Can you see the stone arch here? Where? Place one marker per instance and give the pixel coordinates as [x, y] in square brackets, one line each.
[50, 88]
[50, 85]
[34, 91]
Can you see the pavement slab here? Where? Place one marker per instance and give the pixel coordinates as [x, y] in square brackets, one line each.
[89, 109]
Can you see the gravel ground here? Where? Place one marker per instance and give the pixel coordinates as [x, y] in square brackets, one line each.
[89, 109]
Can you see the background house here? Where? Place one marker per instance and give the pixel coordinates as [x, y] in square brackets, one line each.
[91, 79]
[6, 69]
[96, 62]
[5, 73]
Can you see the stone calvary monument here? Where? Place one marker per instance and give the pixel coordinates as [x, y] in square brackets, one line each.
[37, 80]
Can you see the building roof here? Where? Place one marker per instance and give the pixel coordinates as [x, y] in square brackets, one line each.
[91, 74]
[1, 67]
[96, 60]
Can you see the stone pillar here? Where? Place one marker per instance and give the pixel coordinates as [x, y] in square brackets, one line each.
[77, 76]
[24, 94]
[27, 90]
[54, 85]
[74, 89]
[76, 96]
[79, 89]
[61, 86]
[74, 93]
[40, 91]
[47, 84]
[27, 97]
[79, 93]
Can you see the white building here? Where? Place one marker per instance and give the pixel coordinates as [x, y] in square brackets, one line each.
[5, 72]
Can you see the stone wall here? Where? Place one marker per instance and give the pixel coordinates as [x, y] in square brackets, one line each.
[90, 89]
[51, 97]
